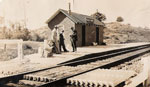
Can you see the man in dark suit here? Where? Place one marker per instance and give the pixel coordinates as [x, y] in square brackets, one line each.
[73, 39]
[62, 43]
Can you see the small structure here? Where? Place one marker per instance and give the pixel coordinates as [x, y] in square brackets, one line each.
[89, 29]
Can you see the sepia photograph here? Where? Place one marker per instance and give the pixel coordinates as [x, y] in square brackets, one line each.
[74, 43]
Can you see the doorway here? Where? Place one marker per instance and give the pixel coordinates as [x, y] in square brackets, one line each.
[83, 35]
[97, 35]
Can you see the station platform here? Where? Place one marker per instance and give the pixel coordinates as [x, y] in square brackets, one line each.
[81, 51]
[35, 62]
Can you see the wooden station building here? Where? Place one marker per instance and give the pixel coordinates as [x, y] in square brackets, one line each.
[89, 29]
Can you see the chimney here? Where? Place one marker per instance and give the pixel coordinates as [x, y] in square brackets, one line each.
[97, 10]
[69, 8]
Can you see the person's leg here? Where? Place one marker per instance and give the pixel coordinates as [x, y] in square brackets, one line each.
[75, 45]
[57, 47]
[64, 47]
[54, 47]
[60, 44]
[71, 43]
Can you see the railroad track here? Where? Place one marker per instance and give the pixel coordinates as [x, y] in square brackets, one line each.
[53, 75]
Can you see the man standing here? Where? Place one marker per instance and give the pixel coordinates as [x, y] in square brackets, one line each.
[55, 39]
[62, 43]
[73, 39]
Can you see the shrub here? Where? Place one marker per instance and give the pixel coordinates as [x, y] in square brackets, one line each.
[99, 16]
[20, 34]
[120, 19]
[33, 36]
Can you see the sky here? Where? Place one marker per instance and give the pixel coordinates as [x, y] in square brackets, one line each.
[36, 12]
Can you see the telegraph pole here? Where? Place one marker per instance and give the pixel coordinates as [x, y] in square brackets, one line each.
[4, 17]
[25, 17]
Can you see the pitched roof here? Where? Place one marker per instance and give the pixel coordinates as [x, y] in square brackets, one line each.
[76, 18]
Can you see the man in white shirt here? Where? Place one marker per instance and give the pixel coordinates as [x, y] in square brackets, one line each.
[55, 39]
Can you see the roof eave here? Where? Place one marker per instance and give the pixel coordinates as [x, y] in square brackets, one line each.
[68, 16]
[56, 13]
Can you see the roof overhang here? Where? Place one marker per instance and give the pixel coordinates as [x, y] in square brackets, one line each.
[73, 18]
[56, 13]
[53, 16]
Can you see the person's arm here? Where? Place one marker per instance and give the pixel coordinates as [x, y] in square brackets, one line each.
[76, 36]
[52, 36]
[58, 33]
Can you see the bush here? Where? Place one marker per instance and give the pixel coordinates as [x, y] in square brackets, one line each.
[99, 16]
[33, 36]
[5, 33]
[120, 19]
[20, 34]
[18, 31]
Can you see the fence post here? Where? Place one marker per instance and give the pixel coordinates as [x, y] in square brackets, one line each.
[20, 49]
[45, 43]
[40, 51]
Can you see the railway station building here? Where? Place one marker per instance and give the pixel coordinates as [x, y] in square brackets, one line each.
[88, 29]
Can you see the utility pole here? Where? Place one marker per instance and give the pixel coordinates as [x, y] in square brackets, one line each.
[73, 2]
[97, 10]
[25, 17]
[4, 26]
[3, 17]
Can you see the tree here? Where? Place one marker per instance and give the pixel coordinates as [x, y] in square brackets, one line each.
[33, 36]
[120, 19]
[20, 32]
[99, 16]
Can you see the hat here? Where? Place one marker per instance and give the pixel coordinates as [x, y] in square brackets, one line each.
[55, 26]
[72, 28]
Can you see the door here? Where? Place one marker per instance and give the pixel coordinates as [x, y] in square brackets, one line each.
[83, 35]
[97, 35]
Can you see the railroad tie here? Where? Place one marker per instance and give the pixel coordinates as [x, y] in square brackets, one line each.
[89, 83]
[31, 78]
[35, 78]
[73, 81]
[101, 78]
[81, 82]
[44, 79]
[26, 77]
[39, 78]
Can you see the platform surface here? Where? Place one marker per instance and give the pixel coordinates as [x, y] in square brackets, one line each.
[58, 58]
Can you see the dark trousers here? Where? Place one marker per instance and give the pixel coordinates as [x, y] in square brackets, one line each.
[62, 44]
[74, 46]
